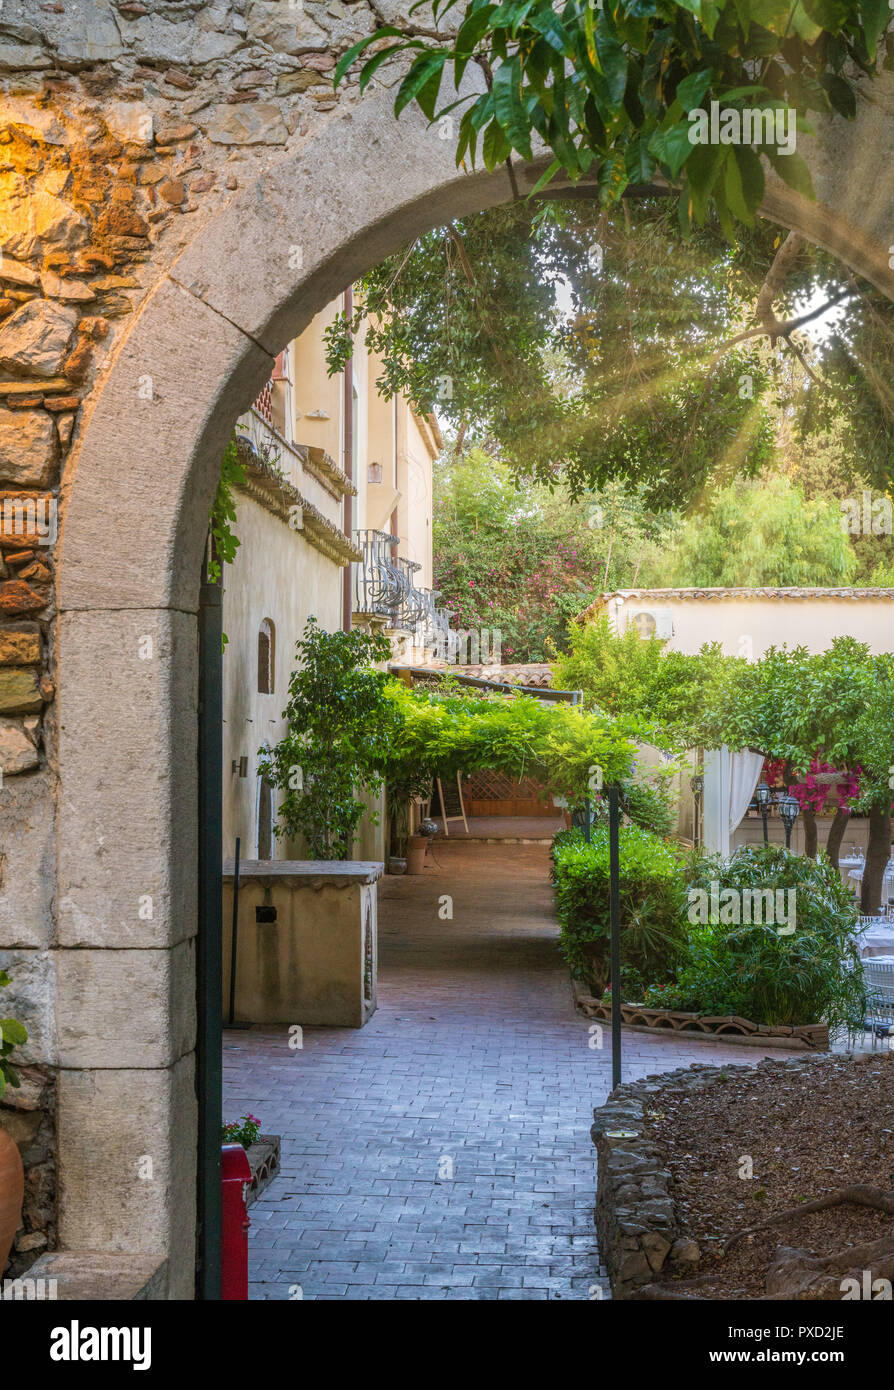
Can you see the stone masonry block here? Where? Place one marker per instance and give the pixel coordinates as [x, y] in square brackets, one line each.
[97, 1023]
[127, 871]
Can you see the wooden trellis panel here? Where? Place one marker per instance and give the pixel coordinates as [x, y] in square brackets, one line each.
[492, 793]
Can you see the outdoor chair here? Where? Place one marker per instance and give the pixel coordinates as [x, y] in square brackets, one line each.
[879, 979]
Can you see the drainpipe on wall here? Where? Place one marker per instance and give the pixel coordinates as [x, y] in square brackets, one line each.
[393, 522]
[348, 464]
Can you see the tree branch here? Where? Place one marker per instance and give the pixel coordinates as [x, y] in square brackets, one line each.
[470, 276]
[778, 328]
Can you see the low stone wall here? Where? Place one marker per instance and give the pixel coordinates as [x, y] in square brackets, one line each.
[27, 1113]
[636, 1219]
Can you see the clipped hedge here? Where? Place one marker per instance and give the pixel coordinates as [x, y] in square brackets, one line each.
[653, 908]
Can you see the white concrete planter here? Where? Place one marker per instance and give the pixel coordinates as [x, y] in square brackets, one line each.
[307, 941]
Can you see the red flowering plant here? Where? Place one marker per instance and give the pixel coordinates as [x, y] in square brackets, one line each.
[244, 1131]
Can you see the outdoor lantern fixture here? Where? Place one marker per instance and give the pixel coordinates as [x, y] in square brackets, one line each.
[762, 796]
[788, 810]
[697, 783]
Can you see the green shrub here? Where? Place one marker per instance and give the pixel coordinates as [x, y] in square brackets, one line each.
[653, 907]
[341, 732]
[650, 805]
[809, 975]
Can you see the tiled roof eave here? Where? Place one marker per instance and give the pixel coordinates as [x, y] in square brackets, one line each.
[326, 471]
[279, 497]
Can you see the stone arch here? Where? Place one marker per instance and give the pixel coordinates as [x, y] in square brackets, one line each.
[138, 491]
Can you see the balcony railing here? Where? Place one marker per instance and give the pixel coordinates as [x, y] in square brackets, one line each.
[384, 587]
[412, 610]
[379, 583]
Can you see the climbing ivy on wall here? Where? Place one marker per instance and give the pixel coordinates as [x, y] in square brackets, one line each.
[223, 513]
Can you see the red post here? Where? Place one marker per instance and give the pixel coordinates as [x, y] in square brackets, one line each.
[235, 1173]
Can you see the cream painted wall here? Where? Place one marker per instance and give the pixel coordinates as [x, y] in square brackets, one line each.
[421, 452]
[747, 627]
[317, 397]
[275, 575]
[387, 433]
[380, 498]
[405, 446]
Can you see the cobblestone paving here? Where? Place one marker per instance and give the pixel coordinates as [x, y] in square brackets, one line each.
[443, 1151]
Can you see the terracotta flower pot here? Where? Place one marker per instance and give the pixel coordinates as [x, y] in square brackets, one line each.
[12, 1191]
[417, 845]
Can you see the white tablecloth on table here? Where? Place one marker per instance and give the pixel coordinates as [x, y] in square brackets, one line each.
[855, 878]
[845, 866]
[877, 940]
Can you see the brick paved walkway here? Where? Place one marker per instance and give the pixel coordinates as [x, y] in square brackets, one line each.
[442, 1151]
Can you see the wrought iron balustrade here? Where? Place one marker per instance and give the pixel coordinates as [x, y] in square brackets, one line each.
[433, 625]
[412, 610]
[385, 587]
[379, 583]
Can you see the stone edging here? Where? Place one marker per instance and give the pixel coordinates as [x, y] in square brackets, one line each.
[263, 1160]
[636, 1218]
[813, 1037]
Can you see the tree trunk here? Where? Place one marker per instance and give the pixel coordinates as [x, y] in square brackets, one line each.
[836, 835]
[608, 558]
[877, 854]
[809, 833]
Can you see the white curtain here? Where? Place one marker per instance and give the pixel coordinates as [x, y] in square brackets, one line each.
[745, 771]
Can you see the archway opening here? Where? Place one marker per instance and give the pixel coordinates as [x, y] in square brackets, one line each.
[221, 334]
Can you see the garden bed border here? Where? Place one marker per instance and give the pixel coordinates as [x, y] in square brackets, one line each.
[639, 1233]
[810, 1037]
[264, 1162]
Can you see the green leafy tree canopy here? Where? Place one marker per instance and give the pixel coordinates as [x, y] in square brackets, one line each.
[610, 87]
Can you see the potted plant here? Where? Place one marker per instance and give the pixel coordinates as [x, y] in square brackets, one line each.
[417, 846]
[398, 802]
[12, 1176]
[244, 1131]
[408, 779]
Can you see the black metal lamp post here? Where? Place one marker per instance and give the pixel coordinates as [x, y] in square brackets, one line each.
[763, 796]
[788, 810]
[614, 868]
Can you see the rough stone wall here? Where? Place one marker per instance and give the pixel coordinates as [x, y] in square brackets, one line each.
[122, 128]
[28, 1114]
[639, 1231]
